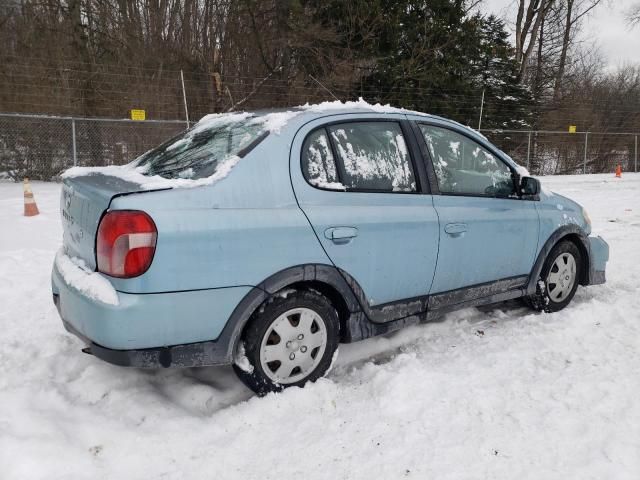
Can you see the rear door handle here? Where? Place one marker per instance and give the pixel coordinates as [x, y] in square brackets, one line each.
[455, 229]
[341, 234]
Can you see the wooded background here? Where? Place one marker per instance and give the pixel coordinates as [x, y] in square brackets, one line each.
[101, 58]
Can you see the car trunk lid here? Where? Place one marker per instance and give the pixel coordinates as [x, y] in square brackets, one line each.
[83, 201]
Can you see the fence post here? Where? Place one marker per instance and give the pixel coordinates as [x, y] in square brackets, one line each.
[73, 141]
[528, 150]
[586, 145]
[635, 155]
[184, 98]
[481, 109]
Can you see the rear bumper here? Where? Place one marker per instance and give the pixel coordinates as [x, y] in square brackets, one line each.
[189, 355]
[598, 256]
[151, 330]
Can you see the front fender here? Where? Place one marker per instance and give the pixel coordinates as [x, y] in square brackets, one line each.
[594, 250]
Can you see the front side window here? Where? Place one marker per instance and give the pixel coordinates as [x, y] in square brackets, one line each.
[462, 166]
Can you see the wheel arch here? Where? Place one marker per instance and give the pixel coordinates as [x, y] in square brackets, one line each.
[579, 238]
[323, 278]
[583, 247]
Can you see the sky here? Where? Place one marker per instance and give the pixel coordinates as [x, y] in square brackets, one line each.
[606, 28]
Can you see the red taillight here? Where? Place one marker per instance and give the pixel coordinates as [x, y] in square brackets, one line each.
[126, 243]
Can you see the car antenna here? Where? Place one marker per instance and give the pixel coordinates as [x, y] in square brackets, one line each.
[255, 89]
[318, 82]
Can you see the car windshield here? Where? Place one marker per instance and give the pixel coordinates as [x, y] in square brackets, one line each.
[201, 150]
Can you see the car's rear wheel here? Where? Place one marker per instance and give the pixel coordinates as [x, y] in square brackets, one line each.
[559, 278]
[288, 342]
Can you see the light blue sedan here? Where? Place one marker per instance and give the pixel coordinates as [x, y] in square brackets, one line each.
[265, 239]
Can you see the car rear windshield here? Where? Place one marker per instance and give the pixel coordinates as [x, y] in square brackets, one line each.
[201, 150]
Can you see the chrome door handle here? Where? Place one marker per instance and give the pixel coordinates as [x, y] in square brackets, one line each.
[341, 234]
[455, 229]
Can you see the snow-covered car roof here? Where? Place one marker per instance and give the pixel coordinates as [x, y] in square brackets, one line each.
[273, 121]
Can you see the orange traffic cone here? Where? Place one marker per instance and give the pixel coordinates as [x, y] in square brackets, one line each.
[30, 207]
[618, 171]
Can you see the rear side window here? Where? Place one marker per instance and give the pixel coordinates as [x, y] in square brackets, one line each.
[318, 164]
[463, 166]
[373, 156]
[359, 156]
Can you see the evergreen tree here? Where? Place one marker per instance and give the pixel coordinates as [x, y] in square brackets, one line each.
[494, 70]
[431, 56]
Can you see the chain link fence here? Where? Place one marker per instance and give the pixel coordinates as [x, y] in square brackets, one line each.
[564, 153]
[42, 147]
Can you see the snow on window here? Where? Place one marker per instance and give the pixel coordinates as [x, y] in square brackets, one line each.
[522, 171]
[463, 166]
[199, 156]
[319, 166]
[274, 122]
[188, 173]
[374, 156]
[439, 163]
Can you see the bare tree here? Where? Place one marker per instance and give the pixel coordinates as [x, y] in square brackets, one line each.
[634, 14]
[544, 61]
[574, 11]
[530, 16]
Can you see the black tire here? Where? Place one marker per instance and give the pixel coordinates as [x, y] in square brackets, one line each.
[544, 300]
[248, 366]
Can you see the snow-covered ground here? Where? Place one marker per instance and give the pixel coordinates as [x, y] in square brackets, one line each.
[498, 393]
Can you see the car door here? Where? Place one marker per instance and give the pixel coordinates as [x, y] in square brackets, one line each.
[358, 182]
[487, 233]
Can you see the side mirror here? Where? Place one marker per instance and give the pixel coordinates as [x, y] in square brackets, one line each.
[529, 186]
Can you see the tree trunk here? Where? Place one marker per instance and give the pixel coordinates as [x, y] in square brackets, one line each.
[563, 54]
[534, 20]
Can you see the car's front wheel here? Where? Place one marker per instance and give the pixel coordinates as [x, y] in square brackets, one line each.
[288, 342]
[558, 279]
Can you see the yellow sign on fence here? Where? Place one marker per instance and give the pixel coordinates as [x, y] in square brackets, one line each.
[138, 115]
[572, 129]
